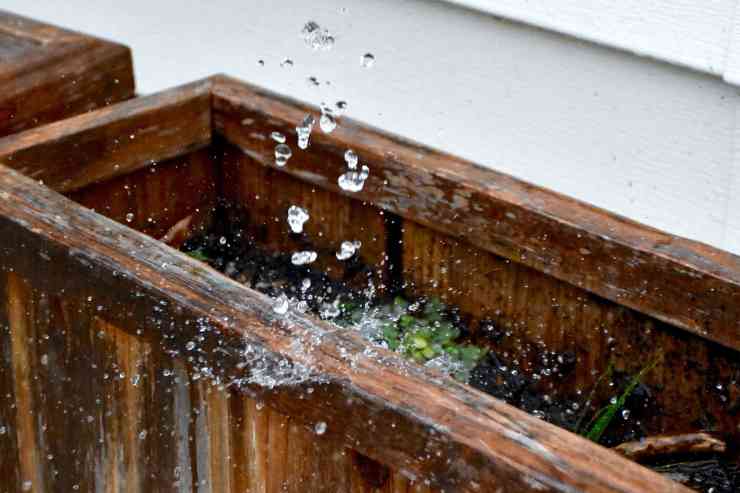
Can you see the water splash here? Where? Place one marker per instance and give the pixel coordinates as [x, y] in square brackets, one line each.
[281, 304]
[316, 37]
[282, 154]
[297, 217]
[353, 180]
[347, 249]
[304, 131]
[278, 137]
[320, 428]
[303, 257]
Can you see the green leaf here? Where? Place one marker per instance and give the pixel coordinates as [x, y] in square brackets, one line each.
[198, 254]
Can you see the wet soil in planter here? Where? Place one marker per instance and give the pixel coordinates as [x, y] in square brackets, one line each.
[306, 289]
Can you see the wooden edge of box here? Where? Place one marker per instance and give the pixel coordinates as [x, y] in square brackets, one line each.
[682, 282]
[405, 415]
[48, 73]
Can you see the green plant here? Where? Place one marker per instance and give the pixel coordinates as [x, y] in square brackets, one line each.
[420, 333]
[198, 254]
[603, 418]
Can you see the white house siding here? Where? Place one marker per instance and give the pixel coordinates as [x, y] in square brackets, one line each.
[647, 139]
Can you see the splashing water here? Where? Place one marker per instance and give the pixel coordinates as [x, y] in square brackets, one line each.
[347, 249]
[282, 154]
[281, 304]
[304, 131]
[303, 257]
[297, 217]
[353, 180]
[367, 60]
[316, 37]
[278, 137]
[328, 121]
[351, 157]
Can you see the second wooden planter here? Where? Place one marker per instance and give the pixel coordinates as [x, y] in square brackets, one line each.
[131, 366]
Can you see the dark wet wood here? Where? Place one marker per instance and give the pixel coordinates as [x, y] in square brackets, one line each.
[386, 408]
[113, 141]
[681, 282]
[48, 73]
[655, 447]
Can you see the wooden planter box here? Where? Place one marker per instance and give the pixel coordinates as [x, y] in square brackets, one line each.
[103, 389]
[48, 73]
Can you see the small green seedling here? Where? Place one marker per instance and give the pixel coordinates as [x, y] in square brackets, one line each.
[198, 254]
[603, 418]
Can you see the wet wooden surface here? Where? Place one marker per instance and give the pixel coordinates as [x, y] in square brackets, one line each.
[388, 409]
[48, 73]
[681, 282]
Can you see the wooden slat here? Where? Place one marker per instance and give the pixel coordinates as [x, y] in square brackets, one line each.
[9, 451]
[387, 409]
[48, 73]
[113, 141]
[684, 283]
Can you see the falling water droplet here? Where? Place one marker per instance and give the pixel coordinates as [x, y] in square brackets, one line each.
[27, 485]
[282, 154]
[190, 346]
[304, 131]
[287, 62]
[320, 428]
[297, 216]
[327, 122]
[281, 305]
[347, 249]
[351, 157]
[625, 413]
[368, 60]
[278, 137]
[303, 257]
[305, 284]
[222, 240]
[341, 107]
[316, 37]
[129, 217]
[142, 434]
[313, 81]
[353, 180]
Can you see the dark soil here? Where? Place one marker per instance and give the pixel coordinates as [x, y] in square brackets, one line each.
[274, 275]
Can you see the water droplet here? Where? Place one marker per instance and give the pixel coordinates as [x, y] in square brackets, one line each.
[367, 60]
[297, 216]
[2, 430]
[222, 240]
[303, 257]
[287, 62]
[626, 413]
[348, 249]
[304, 131]
[281, 305]
[353, 180]
[261, 63]
[129, 217]
[278, 137]
[305, 284]
[329, 310]
[341, 107]
[327, 122]
[282, 154]
[27, 485]
[190, 346]
[316, 37]
[142, 434]
[45, 359]
[351, 157]
[320, 428]
[313, 81]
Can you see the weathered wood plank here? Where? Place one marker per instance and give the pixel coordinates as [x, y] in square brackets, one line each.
[113, 141]
[386, 408]
[684, 283]
[9, 452]
[48, 73]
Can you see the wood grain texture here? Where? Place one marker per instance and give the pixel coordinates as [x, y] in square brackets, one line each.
[684, 283]
[113, 141]
[536, 314]
[386, 408]
[48, 73]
